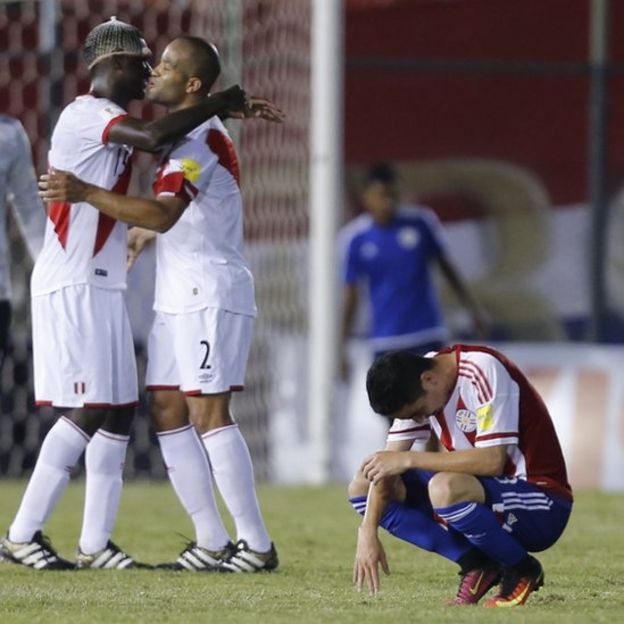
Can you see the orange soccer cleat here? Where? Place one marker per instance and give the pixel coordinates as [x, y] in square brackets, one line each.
[518, 583]
[474, 584]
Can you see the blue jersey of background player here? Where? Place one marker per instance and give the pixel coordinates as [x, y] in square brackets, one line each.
[392, 250]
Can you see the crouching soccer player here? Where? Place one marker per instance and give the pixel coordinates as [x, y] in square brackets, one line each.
[499, 492]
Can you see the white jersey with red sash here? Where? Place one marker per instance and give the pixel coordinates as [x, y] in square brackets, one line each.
[199, 261]
[82, 245]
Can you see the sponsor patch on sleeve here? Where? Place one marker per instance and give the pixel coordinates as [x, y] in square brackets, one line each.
[191, 169]
[485, 418]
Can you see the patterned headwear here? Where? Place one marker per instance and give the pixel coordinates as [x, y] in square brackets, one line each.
[112, 38]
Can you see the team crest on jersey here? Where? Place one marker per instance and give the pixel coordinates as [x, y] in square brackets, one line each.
[369, 250]
[191, 169]
[466, 420]
[408, 237]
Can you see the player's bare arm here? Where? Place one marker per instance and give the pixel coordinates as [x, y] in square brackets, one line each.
[483, 462]
[151, 136]
[154, 214]
[370, 553]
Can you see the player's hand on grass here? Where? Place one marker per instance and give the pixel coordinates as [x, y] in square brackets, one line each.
[62, 186]
[369, 554]
[138, 239]
[384, 464]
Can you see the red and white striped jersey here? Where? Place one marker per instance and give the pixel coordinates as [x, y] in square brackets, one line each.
[200, 261]
[493, 403]
[83, 245]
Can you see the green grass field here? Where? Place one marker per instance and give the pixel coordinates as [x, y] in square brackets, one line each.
[314, 529]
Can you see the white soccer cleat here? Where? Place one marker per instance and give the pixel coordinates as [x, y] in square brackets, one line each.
[37, 554]
[111, 557]
[198, 559]
[243, 559]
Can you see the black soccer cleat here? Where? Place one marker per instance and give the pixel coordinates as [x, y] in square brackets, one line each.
[111, 557]
[243, 559]
[198, 559]
[37, 554]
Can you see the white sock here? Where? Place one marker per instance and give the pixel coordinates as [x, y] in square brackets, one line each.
[189, 472]
[60, 451]
[104, 463]
[233, 473]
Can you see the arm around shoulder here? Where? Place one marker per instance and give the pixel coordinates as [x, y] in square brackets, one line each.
[152, 136]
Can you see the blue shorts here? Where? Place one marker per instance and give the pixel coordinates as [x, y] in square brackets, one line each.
[534, 516]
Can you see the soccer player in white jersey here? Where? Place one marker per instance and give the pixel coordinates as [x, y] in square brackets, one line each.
[205, 308]
[19, 192]
[500, 491]
[83, 350]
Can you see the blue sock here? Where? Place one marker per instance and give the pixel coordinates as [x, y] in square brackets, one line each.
[479, 525]
[418, 527]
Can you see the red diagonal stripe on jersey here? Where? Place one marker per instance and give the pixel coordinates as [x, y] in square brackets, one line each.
[480, 375]
[473, 381]
[105, 223]
[472, 370]
[223, 148]
[445, 436]
[58, 212]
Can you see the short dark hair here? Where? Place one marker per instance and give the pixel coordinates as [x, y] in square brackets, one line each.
[393, 380]
[204, 63]
[381, 172]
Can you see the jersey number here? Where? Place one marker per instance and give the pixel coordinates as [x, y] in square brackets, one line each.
[204, 363]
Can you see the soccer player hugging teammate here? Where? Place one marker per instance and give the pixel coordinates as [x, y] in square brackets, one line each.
[499, 492]
[83, 350]
[205, 309]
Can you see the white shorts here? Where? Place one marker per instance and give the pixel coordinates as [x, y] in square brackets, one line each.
[203, 352]
[83, 351]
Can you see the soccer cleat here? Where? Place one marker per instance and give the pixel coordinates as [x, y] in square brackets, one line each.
[243, 559]
[111, 557]
[517, 583]
[38, 553]
[199, 559]
[474, 584]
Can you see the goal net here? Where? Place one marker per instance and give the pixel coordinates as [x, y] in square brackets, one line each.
[264, 45]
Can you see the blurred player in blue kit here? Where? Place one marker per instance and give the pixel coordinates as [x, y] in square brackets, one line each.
[391, 250]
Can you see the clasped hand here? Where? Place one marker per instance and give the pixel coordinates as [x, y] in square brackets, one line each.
[384, 464]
